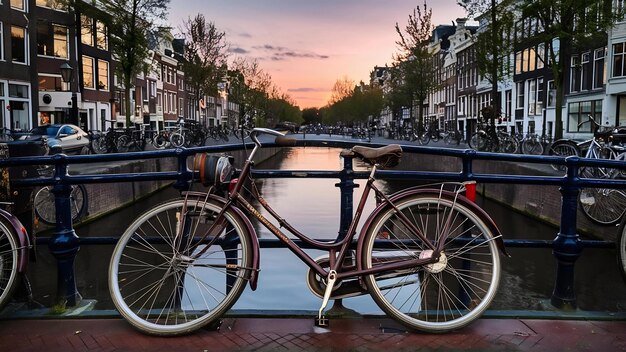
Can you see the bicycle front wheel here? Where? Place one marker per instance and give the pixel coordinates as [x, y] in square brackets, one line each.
[604, 206]
[165, 279]
[44, 204]
[177, 140]
[8, 263]
[444, 295]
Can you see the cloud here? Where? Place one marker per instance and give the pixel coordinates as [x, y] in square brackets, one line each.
[238, 50]
[306, 90]
[280, 53]
[245, 35]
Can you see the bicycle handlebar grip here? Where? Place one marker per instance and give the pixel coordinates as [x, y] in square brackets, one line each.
[285, 141]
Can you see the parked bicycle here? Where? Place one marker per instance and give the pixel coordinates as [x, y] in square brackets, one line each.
[44, 201]
[604, 206]
[428, 256]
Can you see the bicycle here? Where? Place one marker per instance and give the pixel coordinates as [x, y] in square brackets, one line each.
[44, 202]
[604, 206]
[428, 256]
[15, 244]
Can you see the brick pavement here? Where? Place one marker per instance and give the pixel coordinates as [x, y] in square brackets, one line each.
[289, 334]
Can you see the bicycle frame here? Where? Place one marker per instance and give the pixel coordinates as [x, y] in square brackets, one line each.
[338, 249]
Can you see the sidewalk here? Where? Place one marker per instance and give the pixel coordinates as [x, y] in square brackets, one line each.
[296, 334]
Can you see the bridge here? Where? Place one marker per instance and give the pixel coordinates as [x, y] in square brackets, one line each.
[567, 246]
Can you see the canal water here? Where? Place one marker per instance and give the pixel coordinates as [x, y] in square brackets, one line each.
[312, 205]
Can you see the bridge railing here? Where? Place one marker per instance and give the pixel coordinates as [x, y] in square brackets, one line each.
[567, 245]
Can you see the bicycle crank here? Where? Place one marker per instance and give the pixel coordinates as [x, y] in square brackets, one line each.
[341, 289]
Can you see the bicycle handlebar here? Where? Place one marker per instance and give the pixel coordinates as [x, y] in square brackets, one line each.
[258, 130]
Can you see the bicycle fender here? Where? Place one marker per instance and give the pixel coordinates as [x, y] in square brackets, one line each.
[19, 231]
[250, 232]
[436, 193]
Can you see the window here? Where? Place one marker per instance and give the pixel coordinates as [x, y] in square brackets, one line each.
[1, 45]
[577, 115]
[18, 5]
[508, 96]
[599, 72]
[519, 103]
[86, 30]
[88, 72]
[575, 71]
[532, 59]
[103, 75]
[180, 107]
[619, 63]
[532, 97]
[551, 94]
[541, 56]
[52, 40]
[52, 4]
[18, 44]
[51, 83]
[101, 36]
[586, 71]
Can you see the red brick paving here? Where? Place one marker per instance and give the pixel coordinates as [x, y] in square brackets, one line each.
[284, 334]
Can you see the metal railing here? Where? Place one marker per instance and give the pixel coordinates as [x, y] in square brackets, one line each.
[567, 246]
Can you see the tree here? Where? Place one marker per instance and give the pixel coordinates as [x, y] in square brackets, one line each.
[131, 23]
[250, 87]
[568, 26]
[342, 88]
[205, 55]
[414, 61]
[311, 116]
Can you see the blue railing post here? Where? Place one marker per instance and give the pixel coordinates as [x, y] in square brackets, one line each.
[64, 243]
[567, 246]
[346, 187]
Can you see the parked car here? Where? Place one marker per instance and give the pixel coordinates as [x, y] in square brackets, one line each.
[70, 138]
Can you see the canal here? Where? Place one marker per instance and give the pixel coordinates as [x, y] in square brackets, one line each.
[312, 205]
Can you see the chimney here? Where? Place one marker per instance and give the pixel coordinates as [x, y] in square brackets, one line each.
[460, 23]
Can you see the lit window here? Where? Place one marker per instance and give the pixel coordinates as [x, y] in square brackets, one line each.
[52, 40]
[18, 4]
[101, 36]
[103, 75]
[50, 83]
[86, 30]
[618, 60]
[88, 72]
[52, 4]
[18, 44]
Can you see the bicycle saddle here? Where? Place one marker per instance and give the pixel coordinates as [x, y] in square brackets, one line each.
[386, 157]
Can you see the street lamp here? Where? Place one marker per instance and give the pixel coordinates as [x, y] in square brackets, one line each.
[66, 75]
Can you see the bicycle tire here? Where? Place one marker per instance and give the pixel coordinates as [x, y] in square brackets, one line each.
[45, 207]
[479, 142]
[177, 140]
[161, 275]
[532, 146]
[425, 298]
[620, 245]
[8, 263]
[123, 143]
[423, 138]
[563, 148]
[99, 145]
[604, 206]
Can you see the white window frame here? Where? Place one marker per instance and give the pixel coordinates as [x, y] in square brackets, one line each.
[108, 87]
[26, 49]
[24, 6]
[93, 75]
[1, 39]
[51, 26]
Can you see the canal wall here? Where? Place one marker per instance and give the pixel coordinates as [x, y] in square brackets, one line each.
[540, 202]
[104, 198]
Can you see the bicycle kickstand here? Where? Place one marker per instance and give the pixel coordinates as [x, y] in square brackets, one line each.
[321, 320]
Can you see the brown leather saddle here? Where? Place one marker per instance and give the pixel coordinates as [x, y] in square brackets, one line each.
[385, 157]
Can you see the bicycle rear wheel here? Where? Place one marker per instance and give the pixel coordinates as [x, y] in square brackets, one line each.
[532, 146]
[177, 140]
[563, 148]
[437, 297]
[604, 206]
[8, 263]
[44, 204]
[163, 281]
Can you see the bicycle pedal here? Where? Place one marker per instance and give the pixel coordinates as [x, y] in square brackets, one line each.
[322, 321]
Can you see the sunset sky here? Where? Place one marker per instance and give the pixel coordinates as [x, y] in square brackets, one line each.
[307, 45]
